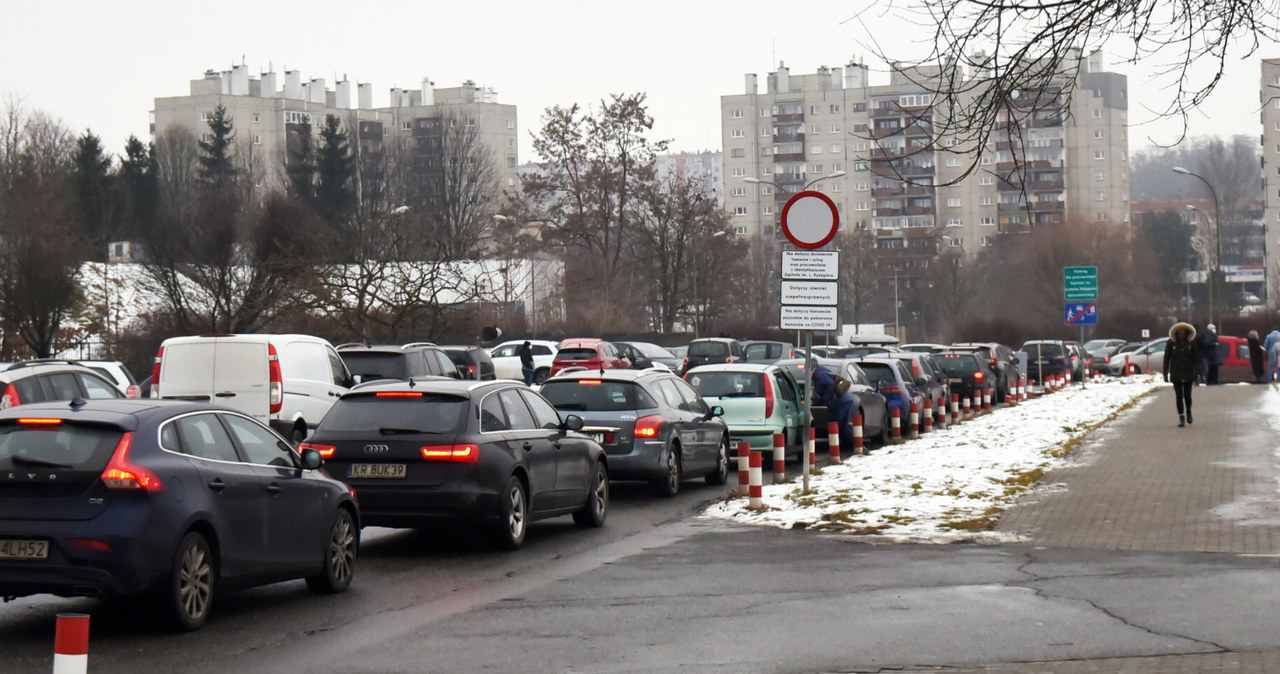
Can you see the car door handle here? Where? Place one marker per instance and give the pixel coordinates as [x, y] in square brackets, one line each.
[217, 485]
[225, 394]
[273, 488]
[528, 446]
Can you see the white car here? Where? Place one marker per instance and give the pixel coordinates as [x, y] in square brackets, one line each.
[506, 359]
[117, 373]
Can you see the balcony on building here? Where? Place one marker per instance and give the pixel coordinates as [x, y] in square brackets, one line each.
[791, 118]
[791, 156]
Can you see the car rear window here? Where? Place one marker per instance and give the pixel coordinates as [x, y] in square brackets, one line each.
[880, 374]
[371, 366]
[57, 445]
[577, 353]
[704, 349]
[596, 395]
[728, 384]
[959, 364]
[1047, 350]
[406, 411]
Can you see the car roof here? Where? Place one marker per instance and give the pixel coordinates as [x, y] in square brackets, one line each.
[721, 340]
[734, 367]
[354, 347]
[580, 341]
[612, 374]
[123, 412]
[432, 385]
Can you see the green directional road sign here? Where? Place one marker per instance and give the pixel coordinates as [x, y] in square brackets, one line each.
[1080, 284]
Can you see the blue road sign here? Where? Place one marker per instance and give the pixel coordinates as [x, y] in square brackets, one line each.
[1081, 313]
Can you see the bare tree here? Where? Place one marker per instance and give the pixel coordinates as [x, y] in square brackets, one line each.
[458, 186]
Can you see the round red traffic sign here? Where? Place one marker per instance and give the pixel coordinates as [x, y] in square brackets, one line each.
[810, 219]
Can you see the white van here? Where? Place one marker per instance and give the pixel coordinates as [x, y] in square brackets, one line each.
[286, 381]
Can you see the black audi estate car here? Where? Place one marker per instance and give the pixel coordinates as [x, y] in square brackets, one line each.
[165, 500]
[489, 454]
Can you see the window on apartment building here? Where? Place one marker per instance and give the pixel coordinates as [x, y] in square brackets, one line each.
[813, 109]
[739, 192]
[737, 153]
[859, 165]
[859, 128]
[862, 206]
[862, 187]
[837, 166]
[815, 129]
[257, 161]
[767, 210]
[953, 161]
[206, 116]
[406, 126]
[986, 180]
[837, 186]
[257, 139]
[511, 182]
[511, 162]
[765, 112]
[815, 149]
[837, 148]
[1100, 175]
[257, 117]
[835, 128]
[950, 142]
[835, 108]
[765, 151]
[1099, 154]
[817, 168]
[736, 133]
[986, 160]
[987, 220]
[739, 172]
[953, 202]
[988, 241]
[511, 123]
[860, 146]
[1099, 134]
[1097, 113]
[208, 137]
[766, 190]
[955, 222]
[1102, 216]
[735, 114]
[511, 142]
[1102, 196]
[739, 210]
[740, 230]
[986, 201]
[766, 132]
[766, 170]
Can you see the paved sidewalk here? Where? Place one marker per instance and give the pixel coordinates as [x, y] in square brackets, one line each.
[1143, 483]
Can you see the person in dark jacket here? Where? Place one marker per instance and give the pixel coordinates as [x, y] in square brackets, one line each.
[839, 405]
[1181, 357]
[526, 362]
[1257, 358]
[1209, 352]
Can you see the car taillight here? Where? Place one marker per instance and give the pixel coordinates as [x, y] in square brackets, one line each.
[728, 359]
[978, 376]
[121, 473]
[155, 374]
[648, 427]
[451, 453]
[325, 450]
[890, 388]
[589, 382]
[685, 364]
[39, 421]
[768, 396]
[398, 394]
[277, 381]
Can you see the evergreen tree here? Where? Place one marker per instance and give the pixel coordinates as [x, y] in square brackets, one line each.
[139, 180]
[91, 170]
[300, 167]
[336, 171]
[216, 168]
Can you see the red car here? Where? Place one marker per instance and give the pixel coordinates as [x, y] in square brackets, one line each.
[590, 353]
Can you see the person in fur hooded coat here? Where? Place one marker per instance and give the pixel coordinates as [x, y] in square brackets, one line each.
[1181, 357]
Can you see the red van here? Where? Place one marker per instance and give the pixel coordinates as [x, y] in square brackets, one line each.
[1235, 366]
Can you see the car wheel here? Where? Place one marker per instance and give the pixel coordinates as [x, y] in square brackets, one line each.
[596, 508]
[513, 515]
[188, 594]
[882, 438]
[298, 434]
[339, 556]
[721, 473]
[670, 484]
[540, 376]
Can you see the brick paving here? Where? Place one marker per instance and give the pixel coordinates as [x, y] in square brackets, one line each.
[1143, 483]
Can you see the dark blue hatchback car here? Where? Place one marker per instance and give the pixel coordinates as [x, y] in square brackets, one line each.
[168, 500]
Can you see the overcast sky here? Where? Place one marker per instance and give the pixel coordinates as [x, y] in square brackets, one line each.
[100, 65]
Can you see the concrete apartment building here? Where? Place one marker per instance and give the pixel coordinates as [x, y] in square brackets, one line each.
[1269, 97]
[267, 114]
[802, 128]
[707, 166]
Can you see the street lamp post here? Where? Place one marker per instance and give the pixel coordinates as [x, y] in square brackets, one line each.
[1215, 260]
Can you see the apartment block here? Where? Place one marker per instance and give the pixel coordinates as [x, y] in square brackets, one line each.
[875, 150]
[268, 114]
[1269, 97]
[706, 166]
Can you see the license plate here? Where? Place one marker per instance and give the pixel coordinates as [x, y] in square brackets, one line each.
[393, 471]
[24, 549]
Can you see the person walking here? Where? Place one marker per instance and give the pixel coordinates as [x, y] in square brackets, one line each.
[1268, 347]
[526, 362]
[1209, 352]
[839, 405]
[1180, 358]
[1257, 357]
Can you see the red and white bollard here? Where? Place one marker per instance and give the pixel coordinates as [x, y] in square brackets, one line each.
[744, 468]
[756, 487]
[913, 419]
[927, 416]
[895, 423]
[71, 644]
[955, 408]
[965, 408]
[779, 458]
[833, 441]
[986, 399]
[811, 448]
[941, 412]
[858, 448]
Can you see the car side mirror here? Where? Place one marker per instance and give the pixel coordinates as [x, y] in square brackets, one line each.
[1016, 361]
[717, 411]
[311, 459]
[572, 422]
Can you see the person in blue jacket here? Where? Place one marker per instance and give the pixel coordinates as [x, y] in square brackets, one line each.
[839, 405]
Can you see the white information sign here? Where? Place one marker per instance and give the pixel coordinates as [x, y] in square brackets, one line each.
[822, 293]
[808, 318]
[811, 265]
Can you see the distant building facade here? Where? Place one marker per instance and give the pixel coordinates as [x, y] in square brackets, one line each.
[706, 165]
[1269, 111]
[268, 115]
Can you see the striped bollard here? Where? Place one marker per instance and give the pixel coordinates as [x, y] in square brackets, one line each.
[779, 458]
[895, 423]
[986, 399]
[955, 408]
[756, 487]
[744, 468]
[913, 421]
[858, 448]
[927, 416]
[810, 448]
[965, 408]
[833, 441]
[941, 412]
[71, 644]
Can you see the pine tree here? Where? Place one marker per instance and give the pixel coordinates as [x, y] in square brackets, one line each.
[92, 175]
[335, 168]
[216, 168]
